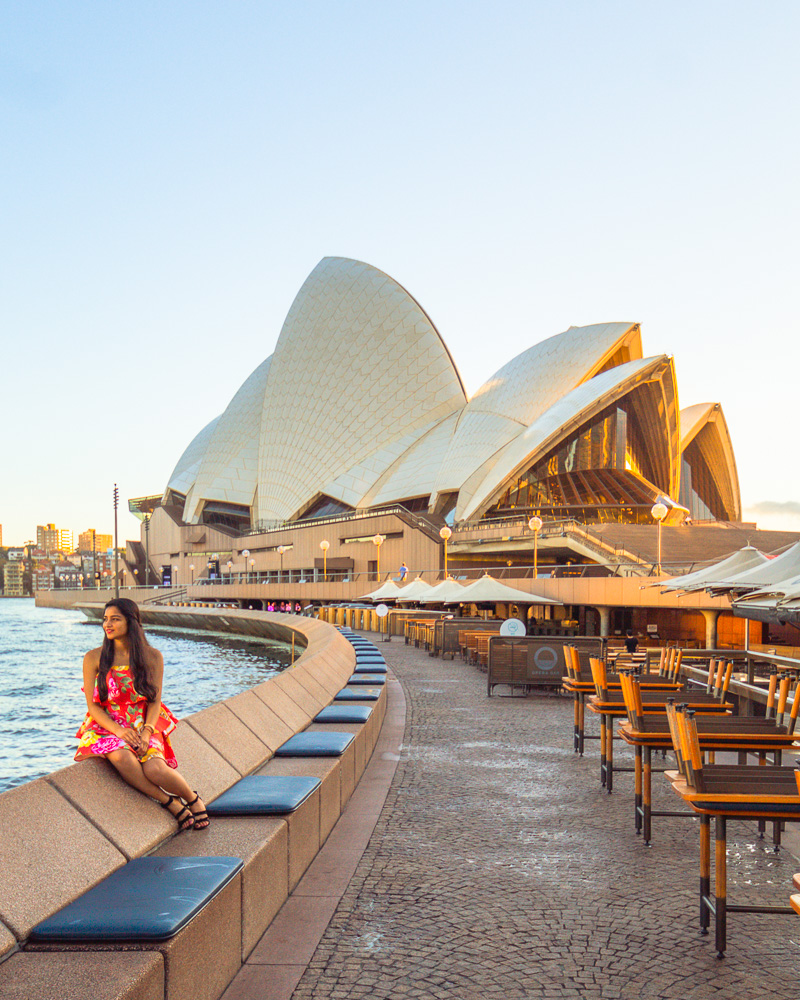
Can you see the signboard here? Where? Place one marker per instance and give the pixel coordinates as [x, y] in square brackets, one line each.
[382, 611]
[512, 627]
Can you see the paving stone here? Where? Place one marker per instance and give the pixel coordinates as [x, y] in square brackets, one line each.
[500, 868]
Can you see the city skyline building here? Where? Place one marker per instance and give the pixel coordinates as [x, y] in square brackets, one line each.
[91, 540]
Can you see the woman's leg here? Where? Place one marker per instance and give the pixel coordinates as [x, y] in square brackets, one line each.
[131, 771]
[172, 781]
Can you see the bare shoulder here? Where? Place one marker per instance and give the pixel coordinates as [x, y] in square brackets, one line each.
[155, 661]
[92, 658]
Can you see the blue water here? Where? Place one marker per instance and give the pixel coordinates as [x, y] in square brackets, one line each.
[41, 702]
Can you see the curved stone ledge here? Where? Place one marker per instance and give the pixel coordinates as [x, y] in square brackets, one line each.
[62, 834]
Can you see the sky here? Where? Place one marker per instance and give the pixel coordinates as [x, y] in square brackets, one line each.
[171, 173]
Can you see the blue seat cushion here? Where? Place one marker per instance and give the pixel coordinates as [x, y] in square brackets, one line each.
[264, 795]
[358, 694]
[363, 678]
[369, 658]
[344, 713]
[315, 745]
[370, 668]
[149, 899]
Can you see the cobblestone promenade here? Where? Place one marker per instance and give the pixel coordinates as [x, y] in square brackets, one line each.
[499, 868]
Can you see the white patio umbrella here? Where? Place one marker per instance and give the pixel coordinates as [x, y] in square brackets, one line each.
[414, 590]
[488, 590]
[388, 591]
[784, 567]
[739, 562]
[446, 592]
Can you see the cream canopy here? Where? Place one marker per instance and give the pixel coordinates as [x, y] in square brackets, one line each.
[487, 589]
[414, 590]
[448, 591]
[740, 562]
[388, 591]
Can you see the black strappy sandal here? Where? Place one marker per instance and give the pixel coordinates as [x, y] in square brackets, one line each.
[182, 818]
[201, 820]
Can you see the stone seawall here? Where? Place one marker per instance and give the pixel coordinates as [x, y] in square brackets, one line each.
[64, 833]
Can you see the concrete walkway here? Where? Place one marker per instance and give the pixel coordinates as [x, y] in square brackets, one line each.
[498, 867]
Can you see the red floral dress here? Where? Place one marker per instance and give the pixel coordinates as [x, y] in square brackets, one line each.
[127, 707]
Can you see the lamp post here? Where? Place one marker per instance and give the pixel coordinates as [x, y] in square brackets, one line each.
[535, 524]
[252, 564]
[229, 564]
[174, 576]
[246, 555]
[191, 567]
[147, 550]
[659, 512]
[281, 549]
[377, 541]
[325, 545]
[444, 534]
[116, 543]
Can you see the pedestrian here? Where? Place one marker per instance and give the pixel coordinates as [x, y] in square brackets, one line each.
[631, 642]
[126, 721]
[403, 572]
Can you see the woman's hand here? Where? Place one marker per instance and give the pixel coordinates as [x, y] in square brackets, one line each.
[131, 737]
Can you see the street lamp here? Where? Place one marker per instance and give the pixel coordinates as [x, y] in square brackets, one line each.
[281, 549]
[325, 545]
[229, 564]
[147, 550]
[174, 576]
[377, 541]
[444, 534]
[191, 567]
[252, 564]
[659, 512]
[535, 524]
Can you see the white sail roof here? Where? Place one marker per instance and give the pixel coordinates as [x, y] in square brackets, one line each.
[358, 364]
[569, 411]
[525, 388]
[229, 466]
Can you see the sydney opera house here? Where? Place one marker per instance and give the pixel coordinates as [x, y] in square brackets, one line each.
[361, 406]
[345, 453]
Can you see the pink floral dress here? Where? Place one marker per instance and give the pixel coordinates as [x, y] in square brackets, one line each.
[127, 707]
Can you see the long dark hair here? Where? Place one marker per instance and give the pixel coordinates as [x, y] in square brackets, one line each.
[138, 646]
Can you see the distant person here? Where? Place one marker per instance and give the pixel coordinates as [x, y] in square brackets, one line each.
[403, 572]
[126, 721]
[631, 642]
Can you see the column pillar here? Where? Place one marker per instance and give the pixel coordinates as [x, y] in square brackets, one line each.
[605, 620]
[711, 617]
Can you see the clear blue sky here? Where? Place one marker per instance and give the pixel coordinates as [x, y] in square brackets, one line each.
[170, 173]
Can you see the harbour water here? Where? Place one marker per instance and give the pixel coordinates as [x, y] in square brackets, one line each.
[41, 702]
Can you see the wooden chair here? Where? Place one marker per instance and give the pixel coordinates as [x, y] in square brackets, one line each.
[727, 792]
[610, 704]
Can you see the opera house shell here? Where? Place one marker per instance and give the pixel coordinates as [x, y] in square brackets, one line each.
[361, 407]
